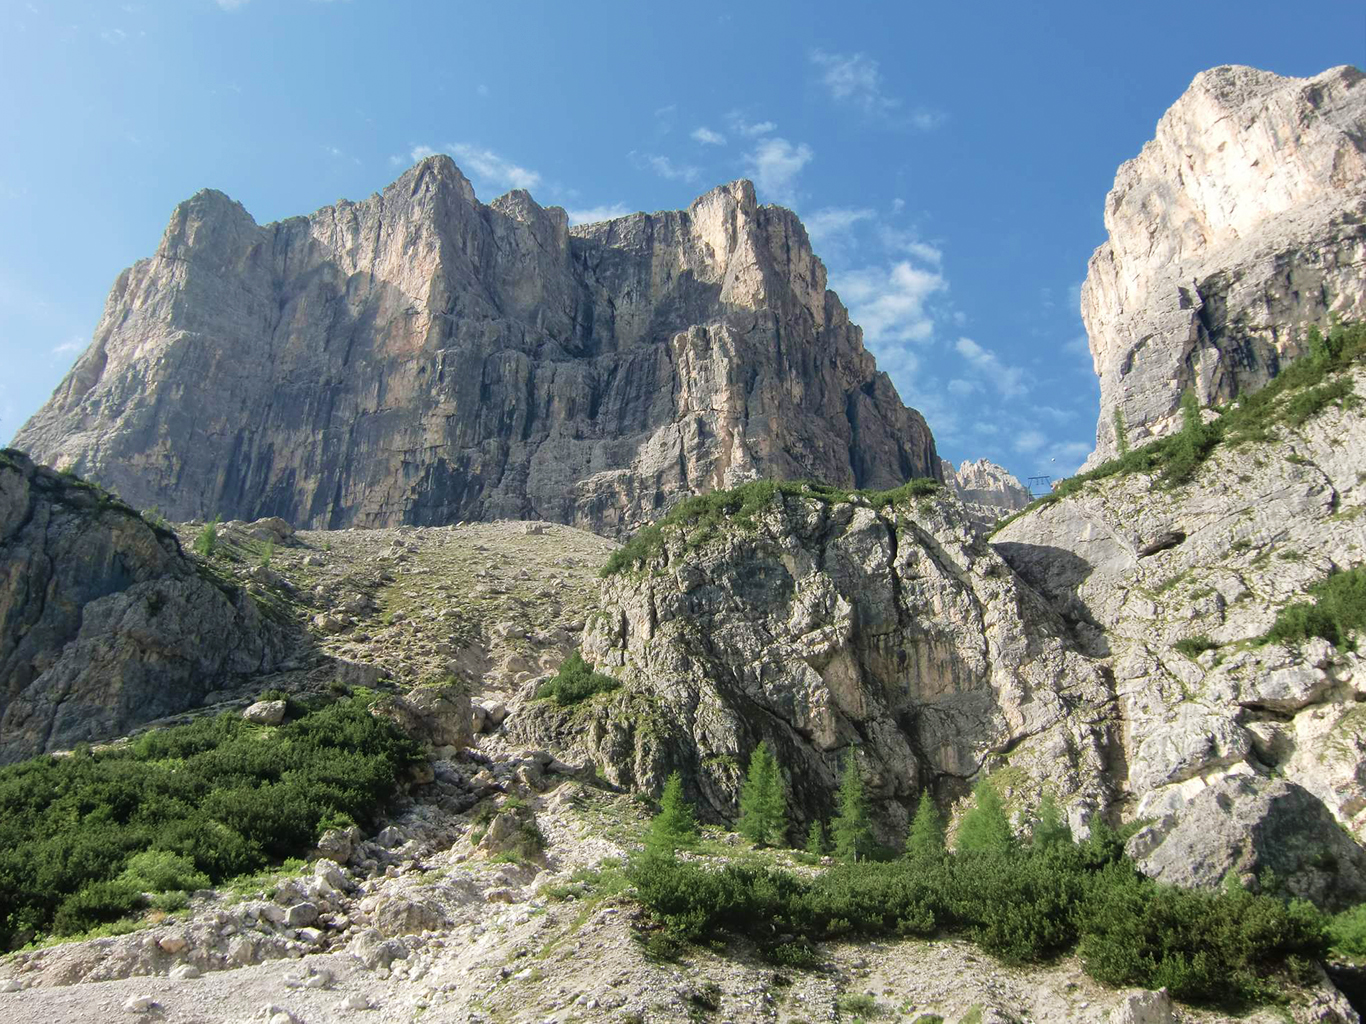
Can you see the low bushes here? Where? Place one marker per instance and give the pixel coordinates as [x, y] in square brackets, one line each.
[1023, 904]
[83, 837]
[1338, 608]
[574, 682]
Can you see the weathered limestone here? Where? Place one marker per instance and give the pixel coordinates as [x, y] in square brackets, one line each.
[1241, 223]
[420, 357]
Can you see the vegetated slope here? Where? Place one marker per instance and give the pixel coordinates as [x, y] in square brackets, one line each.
[421, 357]
[1185, 568]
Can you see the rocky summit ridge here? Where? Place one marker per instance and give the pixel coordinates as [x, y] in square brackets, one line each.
[1237, 227]
[421, 357]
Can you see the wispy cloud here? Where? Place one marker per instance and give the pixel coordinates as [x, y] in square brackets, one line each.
[68, 348]
[856, 78]
[231, 5]
[741, 125]
[488, 166]
[664, 167]
[889, 303]
[775, 163]
[834, 222]
[594, 214]
[1009, 381]
[708, 137]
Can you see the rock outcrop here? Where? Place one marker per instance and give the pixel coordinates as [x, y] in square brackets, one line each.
[423, 358]
[985, 483]
[897, 633]
[104, 622]
[1240, 224]
[1201, 698]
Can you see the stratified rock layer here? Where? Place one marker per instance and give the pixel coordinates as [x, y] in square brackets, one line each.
[423, 358]
[1240, 224]
[104, 622]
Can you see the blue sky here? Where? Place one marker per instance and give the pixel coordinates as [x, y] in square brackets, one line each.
[950, 160]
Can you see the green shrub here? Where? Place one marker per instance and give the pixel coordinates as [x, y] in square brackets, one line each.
[82, 837]
[575, 682]
[1194, 646]
[1347, 932]
[1338, 610]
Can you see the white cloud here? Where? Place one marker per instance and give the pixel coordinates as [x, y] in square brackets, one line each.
[664, 167]
[928, 120]
[960, 388]
[66, 348]
[834, 223]
[897, 240]
[751, 129]
[708, 137]
[1029, 441]
[889, 303]
[1008, 380]
[774, 164]
[594, 214]
[231, 5]
[490, 167]
[898, 205]
[420, 153]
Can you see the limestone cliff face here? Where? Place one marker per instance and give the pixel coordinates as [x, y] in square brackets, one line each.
[897, 633]
[1241, 223]
[421, 357]
[104, 622]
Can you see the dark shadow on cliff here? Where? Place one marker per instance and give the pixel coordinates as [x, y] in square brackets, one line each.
[1056, 575]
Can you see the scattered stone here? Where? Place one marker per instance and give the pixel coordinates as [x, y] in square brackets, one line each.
[139, 1004]
[301, 915]
[184, 972]
[173, 943]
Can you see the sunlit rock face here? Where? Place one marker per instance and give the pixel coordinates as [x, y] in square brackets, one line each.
[1240, 224]
[421, 357]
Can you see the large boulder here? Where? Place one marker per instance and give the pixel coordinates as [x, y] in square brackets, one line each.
[1245, 826]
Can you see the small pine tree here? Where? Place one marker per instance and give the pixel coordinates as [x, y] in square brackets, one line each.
[815, 839]
[1051, 829]
[207, 540]
[1190, 412]
[852, 827]
[267, 553]
[674, 825]
[925, 841]
[763, 811]
[1121, 433]
[985, 828]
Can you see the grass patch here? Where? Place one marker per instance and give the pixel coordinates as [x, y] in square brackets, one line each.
[1338, 609]
[1194, 646]
[702, 516]
[84, 838]
[575, 682]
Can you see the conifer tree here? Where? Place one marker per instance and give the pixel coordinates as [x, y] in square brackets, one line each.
[851, 828]
[985, 828]
[674, 825]
[1051, 829]
[925, 841]
[815, 839]
[763, 811]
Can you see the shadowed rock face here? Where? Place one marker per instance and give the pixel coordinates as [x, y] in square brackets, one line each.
[104, 623]
[421, 357]
[1241, 223]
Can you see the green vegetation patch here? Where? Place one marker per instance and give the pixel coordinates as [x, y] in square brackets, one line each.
[701, 516]
[83, 838]
[1299, 392]
[1338, 609]
[1194, 646]
[575, 682]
